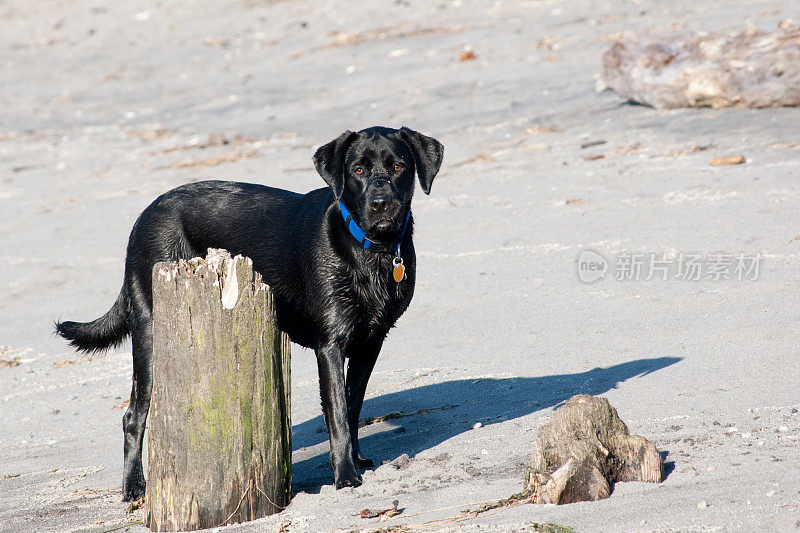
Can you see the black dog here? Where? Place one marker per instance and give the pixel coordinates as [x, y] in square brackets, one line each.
[340, 261]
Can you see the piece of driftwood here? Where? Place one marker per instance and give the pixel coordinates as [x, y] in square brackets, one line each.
[583, 450]
[748, 69]
[219, 445]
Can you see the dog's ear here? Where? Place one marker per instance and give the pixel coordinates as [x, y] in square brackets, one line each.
[428, 154]
[329, 160]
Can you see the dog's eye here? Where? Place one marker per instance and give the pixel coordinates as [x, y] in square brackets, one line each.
[398, 167]
[359, 170]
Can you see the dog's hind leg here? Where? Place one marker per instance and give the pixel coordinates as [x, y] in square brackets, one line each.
[133, 423]
[359, 368]
[142, 255]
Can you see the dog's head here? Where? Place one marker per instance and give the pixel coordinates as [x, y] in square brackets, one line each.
[373, 172]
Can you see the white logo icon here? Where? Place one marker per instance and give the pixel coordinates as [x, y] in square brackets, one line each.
[591, 265]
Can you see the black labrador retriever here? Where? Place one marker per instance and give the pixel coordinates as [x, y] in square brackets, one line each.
[339, 259]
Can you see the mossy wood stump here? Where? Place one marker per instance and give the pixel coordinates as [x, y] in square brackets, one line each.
[583, 450]
[219, 445]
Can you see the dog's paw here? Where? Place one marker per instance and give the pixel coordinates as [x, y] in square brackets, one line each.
[133, 491]
[362, 462]
[348, 479]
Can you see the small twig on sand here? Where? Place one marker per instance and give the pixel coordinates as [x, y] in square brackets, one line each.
[514, 499]
[526, 496]
[134, 523]
[400, 414]
[447, 508]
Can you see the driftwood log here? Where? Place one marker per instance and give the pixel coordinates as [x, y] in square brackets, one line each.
[747, 69]
[583, 450]
[219, 444]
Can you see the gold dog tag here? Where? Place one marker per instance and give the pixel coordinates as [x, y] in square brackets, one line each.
[399, 271]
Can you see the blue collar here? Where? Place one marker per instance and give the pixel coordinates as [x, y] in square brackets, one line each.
[361, 236]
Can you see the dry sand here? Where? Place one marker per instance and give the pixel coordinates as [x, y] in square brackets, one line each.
[105, 105]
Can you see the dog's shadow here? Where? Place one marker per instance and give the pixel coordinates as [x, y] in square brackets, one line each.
[440, 411]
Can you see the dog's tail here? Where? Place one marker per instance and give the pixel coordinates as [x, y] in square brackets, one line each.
[98, 335]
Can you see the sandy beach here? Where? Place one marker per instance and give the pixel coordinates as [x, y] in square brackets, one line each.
[104, 106]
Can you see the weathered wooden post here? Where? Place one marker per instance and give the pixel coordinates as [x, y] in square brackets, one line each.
[219, 445]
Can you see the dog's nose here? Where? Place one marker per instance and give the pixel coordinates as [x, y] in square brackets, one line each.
[379, 203]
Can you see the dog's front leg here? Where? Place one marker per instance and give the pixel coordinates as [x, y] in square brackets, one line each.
[359, 368]
[330, 363]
